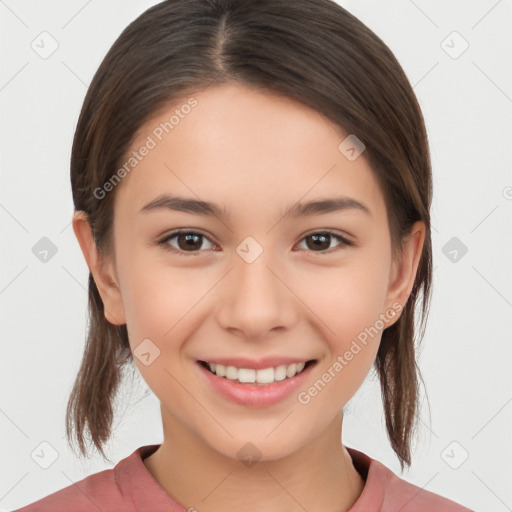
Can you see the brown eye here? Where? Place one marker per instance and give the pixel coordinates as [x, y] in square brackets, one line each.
[186, 241]
[321, 241]
[192, 242]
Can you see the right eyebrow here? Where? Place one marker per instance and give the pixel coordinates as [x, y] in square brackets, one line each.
[298, 209]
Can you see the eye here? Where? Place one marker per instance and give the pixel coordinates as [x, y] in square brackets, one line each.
[191, 241]
[322, 240]
[187, 241]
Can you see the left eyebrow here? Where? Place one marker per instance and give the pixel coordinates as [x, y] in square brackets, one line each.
[206, 208]
[323, 206]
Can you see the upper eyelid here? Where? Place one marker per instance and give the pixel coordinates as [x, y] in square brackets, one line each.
[344, 238]
[181, 231]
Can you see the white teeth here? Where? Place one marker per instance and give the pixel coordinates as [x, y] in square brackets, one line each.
[231, 372]
[263, 376]
[245, 375]
[291, 370]
[280, 372]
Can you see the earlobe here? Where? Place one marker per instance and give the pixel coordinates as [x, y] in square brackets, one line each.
[403, 272]
[102, 271]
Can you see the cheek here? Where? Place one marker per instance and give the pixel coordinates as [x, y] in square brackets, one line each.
[156, 295]
[349, 324]
[162, 304]
[159, 305]
[347, 302]
[347, 298]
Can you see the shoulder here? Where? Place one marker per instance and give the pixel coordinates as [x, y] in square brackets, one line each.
[412, 498]
[110, 489]
[384, 491]
[93, 493]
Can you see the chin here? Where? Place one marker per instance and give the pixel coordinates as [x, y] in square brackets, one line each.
[259, 448]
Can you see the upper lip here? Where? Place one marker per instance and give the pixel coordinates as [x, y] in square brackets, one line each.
[266, 362]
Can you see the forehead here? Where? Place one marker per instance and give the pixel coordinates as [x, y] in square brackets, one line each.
[245, 149]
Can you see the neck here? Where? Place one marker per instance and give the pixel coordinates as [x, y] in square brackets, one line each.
[318, 477]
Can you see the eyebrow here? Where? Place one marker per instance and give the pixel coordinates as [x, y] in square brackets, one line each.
[298, 209]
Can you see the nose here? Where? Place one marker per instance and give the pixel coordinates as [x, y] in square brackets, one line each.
[257, 298]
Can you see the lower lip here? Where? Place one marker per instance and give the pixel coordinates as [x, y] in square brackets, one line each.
[252, 395]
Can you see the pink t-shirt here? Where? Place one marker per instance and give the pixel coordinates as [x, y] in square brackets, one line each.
[130, 487]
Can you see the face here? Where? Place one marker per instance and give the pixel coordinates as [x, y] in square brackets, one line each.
[248, 281]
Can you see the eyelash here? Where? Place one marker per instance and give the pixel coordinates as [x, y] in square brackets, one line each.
[164, 242]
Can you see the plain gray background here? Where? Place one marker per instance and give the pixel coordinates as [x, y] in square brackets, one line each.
[457, 56]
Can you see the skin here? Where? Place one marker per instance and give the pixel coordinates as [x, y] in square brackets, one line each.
[254, 153]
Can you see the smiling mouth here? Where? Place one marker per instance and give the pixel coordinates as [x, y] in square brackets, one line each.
[260, 377]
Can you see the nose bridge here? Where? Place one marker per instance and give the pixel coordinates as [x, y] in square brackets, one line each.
[256, 300]
[256, 280]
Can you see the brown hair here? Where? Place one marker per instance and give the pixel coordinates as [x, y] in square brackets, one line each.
[313, 51]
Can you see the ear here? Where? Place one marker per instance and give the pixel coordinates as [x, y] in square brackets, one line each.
[403, 272]
[102, 271]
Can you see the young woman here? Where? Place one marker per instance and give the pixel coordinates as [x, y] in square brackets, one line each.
[252, 187]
